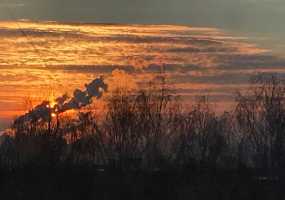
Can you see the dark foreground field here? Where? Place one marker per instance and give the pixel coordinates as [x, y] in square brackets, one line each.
[146, 146]
[87, 183]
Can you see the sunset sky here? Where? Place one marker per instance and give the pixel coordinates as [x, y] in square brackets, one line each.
[209, 47]
[244, 15]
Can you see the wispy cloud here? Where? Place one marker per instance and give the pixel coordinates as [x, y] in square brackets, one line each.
[11, 5]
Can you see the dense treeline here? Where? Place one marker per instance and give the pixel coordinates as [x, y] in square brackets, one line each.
[149, 139]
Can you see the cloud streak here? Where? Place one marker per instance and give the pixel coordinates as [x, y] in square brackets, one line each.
[11, 5]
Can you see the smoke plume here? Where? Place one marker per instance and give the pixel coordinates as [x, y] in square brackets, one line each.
[43, 112]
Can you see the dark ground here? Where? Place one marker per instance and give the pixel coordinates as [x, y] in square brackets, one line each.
[78, 182]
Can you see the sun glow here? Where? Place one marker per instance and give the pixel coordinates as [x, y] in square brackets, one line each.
[52, 103]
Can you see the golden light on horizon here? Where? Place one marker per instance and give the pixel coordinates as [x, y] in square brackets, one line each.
[52, 103]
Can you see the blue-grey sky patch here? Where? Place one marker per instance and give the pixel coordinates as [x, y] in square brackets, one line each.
[245, 15]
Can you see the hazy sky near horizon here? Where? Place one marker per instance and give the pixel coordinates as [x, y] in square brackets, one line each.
[244, 15]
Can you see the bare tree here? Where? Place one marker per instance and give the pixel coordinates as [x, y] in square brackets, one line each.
[261, 116]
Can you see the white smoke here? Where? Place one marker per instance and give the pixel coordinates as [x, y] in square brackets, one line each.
[44, 111]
